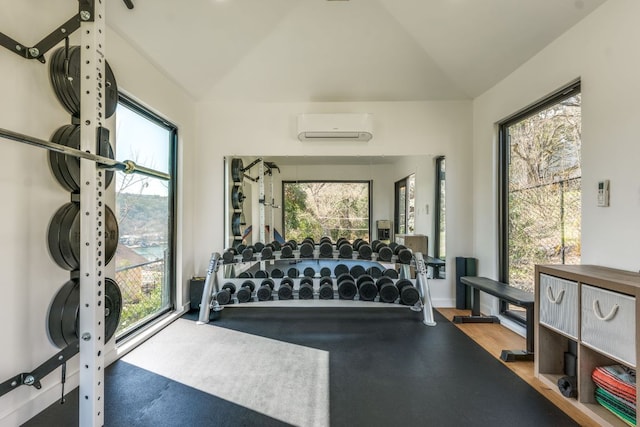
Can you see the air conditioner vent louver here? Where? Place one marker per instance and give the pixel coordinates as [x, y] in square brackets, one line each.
[335, 127]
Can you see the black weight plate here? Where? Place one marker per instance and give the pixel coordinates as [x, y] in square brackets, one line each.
[112, 308]
[72, 183]
[53, 235]
[56, 310]
[71, 165]
[54, 156]
[236, 170]
[56, 76]
[70, 315]
[236, 197]
[235, 224]
[111, 94]
[70, 236]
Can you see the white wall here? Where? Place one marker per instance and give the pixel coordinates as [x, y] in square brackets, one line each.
[602, 50]
[29, 276]
[400, 128]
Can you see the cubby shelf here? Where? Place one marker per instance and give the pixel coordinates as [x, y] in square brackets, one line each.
[565, 313]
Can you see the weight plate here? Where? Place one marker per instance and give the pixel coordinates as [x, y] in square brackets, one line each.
[63, 313]
[235, 224]
[71, 165]
[237, 197]
[112, 308]
[53, 157]
[64, 236]
[56, 311]
[56, 76]
[236, 170]
[67, 85]
[53, 235]
[72, 182]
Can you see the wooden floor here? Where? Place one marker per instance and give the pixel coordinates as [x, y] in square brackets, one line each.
[494, 338]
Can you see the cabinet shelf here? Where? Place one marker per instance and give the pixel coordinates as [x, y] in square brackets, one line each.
[557, 333]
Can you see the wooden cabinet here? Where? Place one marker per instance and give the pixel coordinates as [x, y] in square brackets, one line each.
[591, 308]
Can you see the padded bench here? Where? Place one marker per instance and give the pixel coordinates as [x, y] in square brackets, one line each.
[508, 293]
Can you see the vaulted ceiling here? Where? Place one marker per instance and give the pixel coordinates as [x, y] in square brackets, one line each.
[355, 50]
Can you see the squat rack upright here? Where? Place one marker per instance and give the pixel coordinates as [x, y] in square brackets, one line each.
[91, 328]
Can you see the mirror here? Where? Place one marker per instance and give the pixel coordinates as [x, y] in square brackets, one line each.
[338, 196]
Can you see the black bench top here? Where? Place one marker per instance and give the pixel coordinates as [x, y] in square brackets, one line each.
[501, 290]
[434, 262]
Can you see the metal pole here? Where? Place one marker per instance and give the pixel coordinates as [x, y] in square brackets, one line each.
[262, 199]
[127, 166]
[92, 277]
[422, 284]
[211, 281]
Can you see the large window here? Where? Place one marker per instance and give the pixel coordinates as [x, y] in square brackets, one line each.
[145, 212]
[405, 205]
[540, 188]
[326, 208]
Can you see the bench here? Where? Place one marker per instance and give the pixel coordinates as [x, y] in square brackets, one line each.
[505, 292]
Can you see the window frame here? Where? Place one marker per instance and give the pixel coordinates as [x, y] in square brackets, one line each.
[150, 115]
[556, 97]
[404, 182]
[338, 181]
[437, 208]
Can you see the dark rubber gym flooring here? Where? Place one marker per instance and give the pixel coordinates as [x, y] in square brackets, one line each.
[386, 369]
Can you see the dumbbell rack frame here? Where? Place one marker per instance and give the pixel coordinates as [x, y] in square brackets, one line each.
[215, 275]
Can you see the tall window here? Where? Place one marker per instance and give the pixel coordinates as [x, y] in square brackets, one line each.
[540, 187]
[326, 208]
[145, 211]
[405, 205]
[440, 242]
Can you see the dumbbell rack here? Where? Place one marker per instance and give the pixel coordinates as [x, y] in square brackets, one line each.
[217, 271]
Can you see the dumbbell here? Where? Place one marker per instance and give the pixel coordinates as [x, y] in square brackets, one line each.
[340, 269]
[276, 273]
[245, 291]
[276, 246]
[403, 255]
[292, 244]
[385, 253]
[228, 255]
[340, 242]
[356, 243]
[265, 290]
[224, 296]
[387, 290]
[261, 274]
[345, 250]
[308, 272]
[326, 250]
[306, 288]
[390, 273]
[285, 290]
[326, 239]
[245, 275]
[241, 247]
[357, 271]
[266, 252]
[364, 250]
[374, 272]
[346, 287]
[286, 251]
[247, 254]
[376, 245]
[293, 273]
[308, 239]
[326, 288]
[325, 271]
[409, 295]
[367, 288]
[258, 246]
[306, 249]
[392, 246]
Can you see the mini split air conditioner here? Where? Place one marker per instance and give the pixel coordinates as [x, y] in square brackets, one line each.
[343, 127]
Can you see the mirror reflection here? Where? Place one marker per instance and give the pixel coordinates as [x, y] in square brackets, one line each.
[388, 198]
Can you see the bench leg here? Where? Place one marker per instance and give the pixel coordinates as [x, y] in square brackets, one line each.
[475, 317]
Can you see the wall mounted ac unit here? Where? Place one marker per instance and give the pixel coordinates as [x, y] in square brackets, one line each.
[343, 127]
